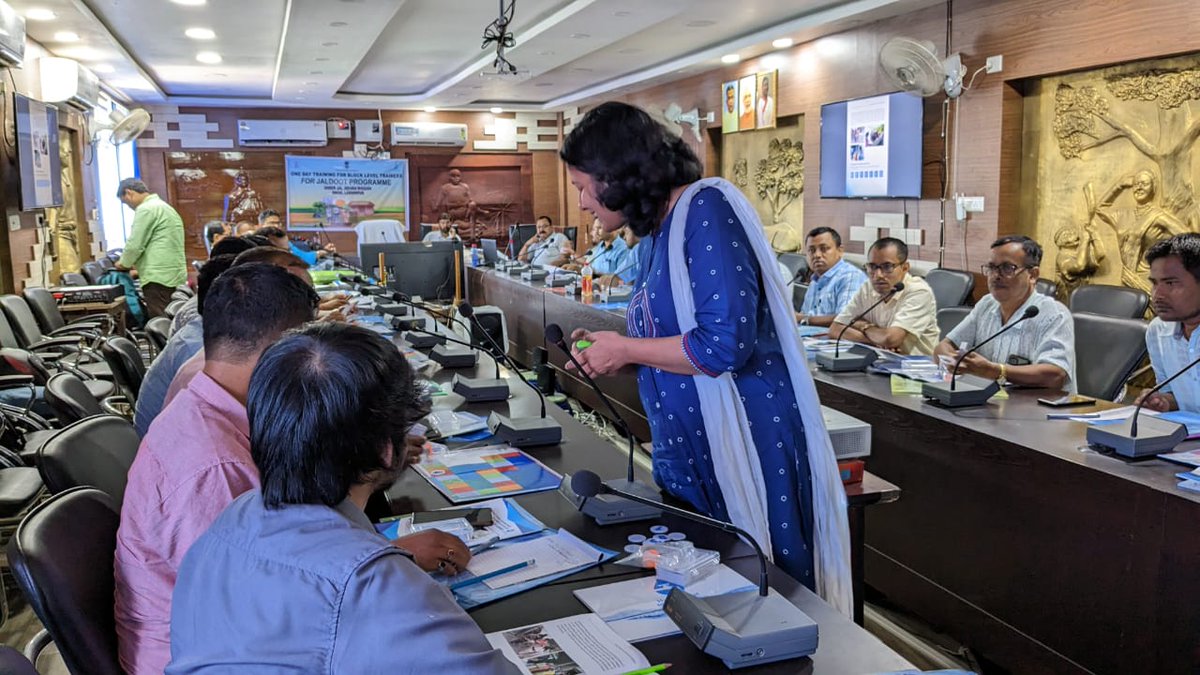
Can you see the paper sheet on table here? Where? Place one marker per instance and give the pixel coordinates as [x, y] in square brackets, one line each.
[575, 644]
[552, 554]
[1114, 415]
[902, 386]
[638, 597]
[509, 520]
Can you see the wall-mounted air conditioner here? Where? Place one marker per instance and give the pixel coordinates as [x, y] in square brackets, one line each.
[12, 36]
[282, 133]
[429, 133]
[67, 81]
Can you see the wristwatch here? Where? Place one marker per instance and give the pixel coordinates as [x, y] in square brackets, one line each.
[803, 319]
[1003, 379]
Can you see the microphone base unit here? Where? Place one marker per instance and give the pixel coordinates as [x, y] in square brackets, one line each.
[970, 390]
[534, 274]
[408, 323]
[610, 509]
[516, 270]
[1154, 436]
[372, 290]
[853, 358]
[393, 309]
[744, 629]
[423, 340]
[524, 432]
[453, 356]
[560, 280]
[480, 390]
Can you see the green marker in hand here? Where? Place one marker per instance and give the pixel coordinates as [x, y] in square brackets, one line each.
[582, 344]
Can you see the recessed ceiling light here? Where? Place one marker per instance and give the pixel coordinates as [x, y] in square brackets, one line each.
[103, 68]
[497, 110]
[208, 57]
[730, 58]
[430, 109]
[66, 36]
[782, 43]
[700, 23]
[190, 3]
[329, 44]
[200, 33]
[580, 36]
[40, 14]
[339, 24]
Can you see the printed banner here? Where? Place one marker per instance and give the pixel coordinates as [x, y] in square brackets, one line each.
[337, 193]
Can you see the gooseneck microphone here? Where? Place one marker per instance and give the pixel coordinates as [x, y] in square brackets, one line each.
[1030, 312]
[887, 296]
[1133, 424]
[587, 484]
[465, 309]
[554, 334]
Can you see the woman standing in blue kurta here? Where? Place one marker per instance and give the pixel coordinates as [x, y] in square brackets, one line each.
[736, 425]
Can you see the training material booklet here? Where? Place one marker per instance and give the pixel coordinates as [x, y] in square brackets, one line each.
[486, 473]
[571, 646]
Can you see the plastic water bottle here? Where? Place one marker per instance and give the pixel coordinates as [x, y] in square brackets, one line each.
[474, 255]
[586, 279]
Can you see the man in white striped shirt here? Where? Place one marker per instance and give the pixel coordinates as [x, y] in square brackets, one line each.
[1038, 353]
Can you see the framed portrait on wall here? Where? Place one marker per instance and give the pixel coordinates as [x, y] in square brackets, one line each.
[747, 88]
[729, 107]
[764, 106]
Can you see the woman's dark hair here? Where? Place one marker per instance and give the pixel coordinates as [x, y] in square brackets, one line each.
[635, 160]
[323, 404]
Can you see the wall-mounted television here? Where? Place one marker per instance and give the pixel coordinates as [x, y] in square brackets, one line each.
[871, 147]
[37, 154]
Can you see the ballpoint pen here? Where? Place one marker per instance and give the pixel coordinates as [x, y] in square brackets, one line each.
[492, 575]
[480, 546]
[647, 671]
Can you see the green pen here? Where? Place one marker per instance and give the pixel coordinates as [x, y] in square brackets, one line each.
[583, 344]
[652, 669]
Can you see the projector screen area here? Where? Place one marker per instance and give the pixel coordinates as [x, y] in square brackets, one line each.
[871, 147]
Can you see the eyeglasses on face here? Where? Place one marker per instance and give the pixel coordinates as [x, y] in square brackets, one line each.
[886, 268]
[1003, 270]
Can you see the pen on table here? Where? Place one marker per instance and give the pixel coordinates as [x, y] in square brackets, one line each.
[1072, 416]
[652, 669]
[492, 575]
[484, 545]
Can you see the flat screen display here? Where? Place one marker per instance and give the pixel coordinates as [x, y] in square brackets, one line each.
[37, 154]
[871, 147]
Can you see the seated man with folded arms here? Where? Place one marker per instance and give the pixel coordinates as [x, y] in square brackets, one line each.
[1172, 338]
[195, 458]
[546, 247]
[907, 322]
[834, 280]
[1038, 353]
[292, 576]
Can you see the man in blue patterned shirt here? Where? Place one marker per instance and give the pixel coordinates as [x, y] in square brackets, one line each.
[834, 281]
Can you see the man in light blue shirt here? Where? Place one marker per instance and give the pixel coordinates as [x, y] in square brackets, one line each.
[292, 577]
[1171, 338]
[1038, 353]
[834, 281]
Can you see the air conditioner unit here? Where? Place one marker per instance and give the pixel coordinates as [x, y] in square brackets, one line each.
[429, 133]
[282, 133]
[67, 81]
[12, 36]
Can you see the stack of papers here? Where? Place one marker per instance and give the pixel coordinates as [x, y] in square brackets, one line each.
[576, 644]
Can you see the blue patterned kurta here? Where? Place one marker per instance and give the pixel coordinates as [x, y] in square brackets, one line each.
[733, 333]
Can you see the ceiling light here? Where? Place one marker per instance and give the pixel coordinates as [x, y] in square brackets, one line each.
[66, 36]
[208, 57]
[782, 43]
[103, 68]
[430, 109]
[191, 3]
[40, 14]
[730, 58]
[200, 33]
[497, 110]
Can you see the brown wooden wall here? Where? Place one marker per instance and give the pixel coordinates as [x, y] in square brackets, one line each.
[1036, 38]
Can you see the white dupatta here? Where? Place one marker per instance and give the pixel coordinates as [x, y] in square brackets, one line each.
[735, 459]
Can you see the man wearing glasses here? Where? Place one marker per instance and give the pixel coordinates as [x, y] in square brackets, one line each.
[907, 322]
[1038, 353]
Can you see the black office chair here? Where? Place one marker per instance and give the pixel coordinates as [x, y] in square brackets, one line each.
[158, 331]
[426, 228]
[92, 271]
[799, 292]
[572, 234]
[50, 319]
[796, 264]
[95, 451]
[62, 558]
[71, 398]
[72, 279]
[1119, 301]
[951, 288]
[1107, 350]
[125, 360]
[949, 317]
[184, 290]
[173, 308]
[106, 264]
[1046, 287]
[518, 235]
[18, 329]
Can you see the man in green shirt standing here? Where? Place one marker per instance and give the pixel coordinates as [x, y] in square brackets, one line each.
[155, 247]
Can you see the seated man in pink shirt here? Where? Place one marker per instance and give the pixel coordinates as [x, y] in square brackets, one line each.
[195, 458]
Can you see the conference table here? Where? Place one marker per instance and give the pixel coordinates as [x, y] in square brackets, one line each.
[1013, 536]
[843, 648]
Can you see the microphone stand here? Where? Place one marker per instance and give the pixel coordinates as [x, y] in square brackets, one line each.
[975, 390]
[1157, 435]
[857, 357]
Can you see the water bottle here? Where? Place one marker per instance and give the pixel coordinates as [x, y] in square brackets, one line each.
[474, 255]
[586, 279]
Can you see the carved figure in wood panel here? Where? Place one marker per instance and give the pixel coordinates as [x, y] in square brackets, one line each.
[1138, 228]
[1080, 250]
[767, 165]
[454, 198]
[242, 203]
[63, 222]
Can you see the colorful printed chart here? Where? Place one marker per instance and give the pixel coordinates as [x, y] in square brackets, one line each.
[483, 473]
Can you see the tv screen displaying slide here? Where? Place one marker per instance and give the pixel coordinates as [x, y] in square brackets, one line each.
[871, 147]
[37, 154]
